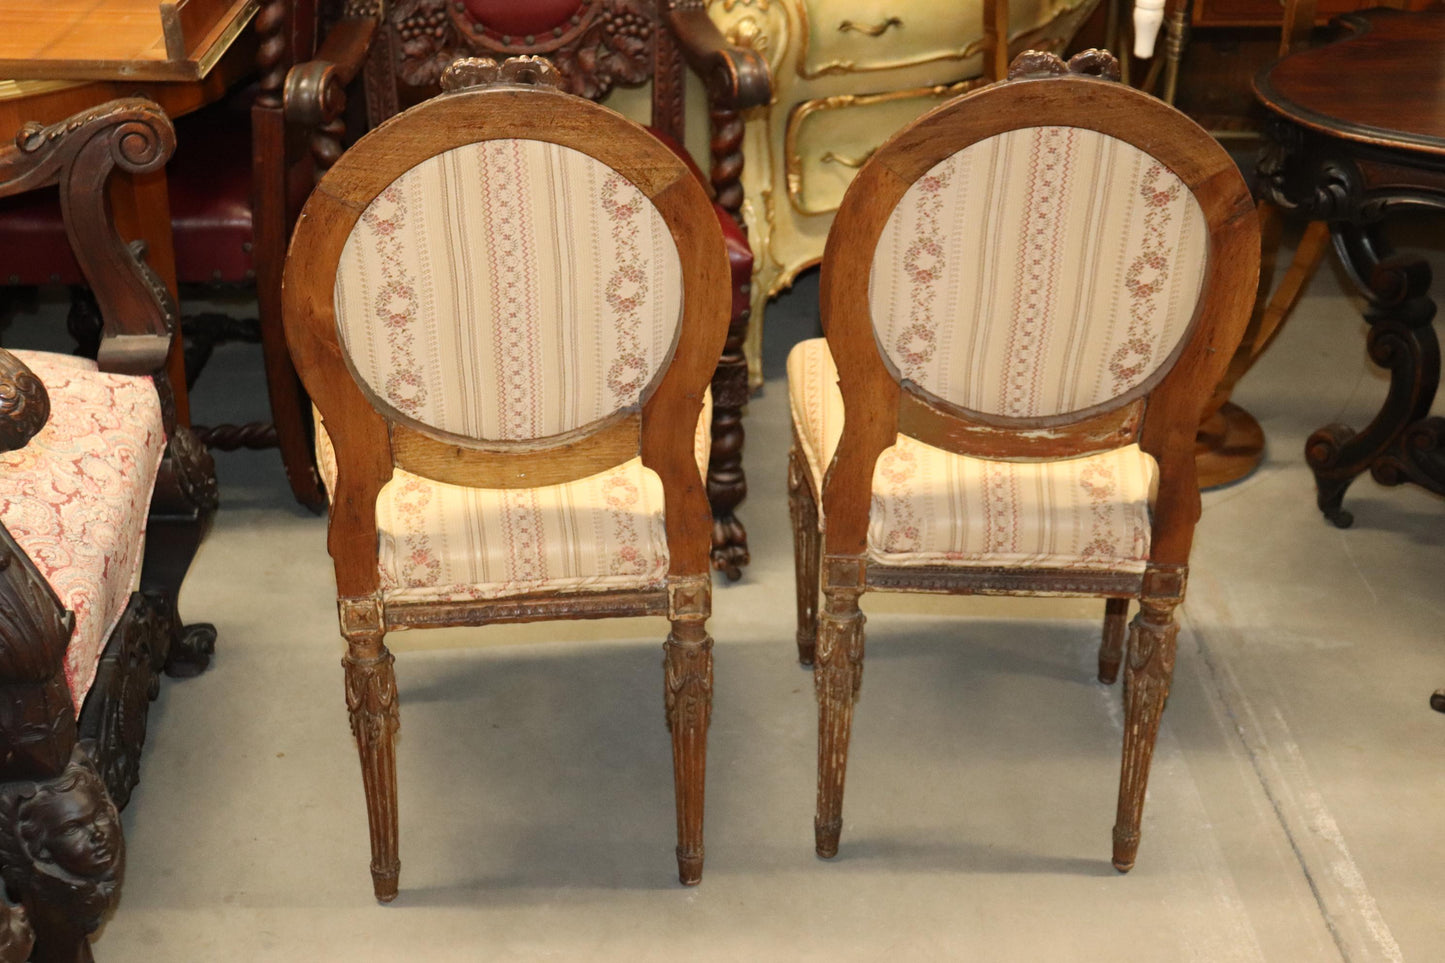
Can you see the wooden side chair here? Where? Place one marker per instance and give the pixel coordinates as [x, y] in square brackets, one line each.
[103, 502]
[508, 329]
[598, 46]
[1027, 297]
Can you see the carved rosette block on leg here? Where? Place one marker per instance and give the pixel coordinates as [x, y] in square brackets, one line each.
[1152, 642]
[68, 880]
[1111, 650]
[807, 547]
[837, 677]
[371, 702]
[687, 671]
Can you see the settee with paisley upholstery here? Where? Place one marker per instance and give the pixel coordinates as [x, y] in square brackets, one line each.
[104, 500]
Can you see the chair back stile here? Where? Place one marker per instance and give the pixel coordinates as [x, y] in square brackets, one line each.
[1146, 384]
[665, 316]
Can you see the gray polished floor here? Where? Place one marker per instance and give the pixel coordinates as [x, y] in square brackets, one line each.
[1294, 811]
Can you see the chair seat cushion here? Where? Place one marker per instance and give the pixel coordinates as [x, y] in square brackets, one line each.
[76, 497]
[449, 543]
[932, 507]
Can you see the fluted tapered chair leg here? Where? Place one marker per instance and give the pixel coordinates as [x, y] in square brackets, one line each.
[1111, 649]
[687, 667]
[372, 703]
[837, 676]
[1147, 675]
[807, 547]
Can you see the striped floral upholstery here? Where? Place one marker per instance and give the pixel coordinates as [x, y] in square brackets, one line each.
[933, 507]
[446, 543]
[508, 290]
[76, 497]
[1075, 259]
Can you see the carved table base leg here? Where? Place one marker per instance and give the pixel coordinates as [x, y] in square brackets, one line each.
[1400, 443]
[1152, 640]
[807, 549]
[687, 669]
[837, 677]
[1228, 447]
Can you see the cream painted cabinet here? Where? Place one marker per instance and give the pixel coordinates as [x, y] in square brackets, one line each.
[846, 75]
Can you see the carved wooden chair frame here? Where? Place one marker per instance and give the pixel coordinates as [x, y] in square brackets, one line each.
[369, 443]
[46, 750]
[417, 40]
[1160, 414]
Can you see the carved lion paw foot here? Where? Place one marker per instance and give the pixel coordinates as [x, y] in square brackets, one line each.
[729, 546]
[191, 653]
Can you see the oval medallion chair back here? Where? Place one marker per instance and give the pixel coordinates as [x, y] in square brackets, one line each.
[508, 326]
[1028, 295]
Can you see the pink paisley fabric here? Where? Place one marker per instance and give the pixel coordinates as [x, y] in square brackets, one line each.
[77, 496]
[932, 507]
[508, 290]
[448, 543]
[1038, 272]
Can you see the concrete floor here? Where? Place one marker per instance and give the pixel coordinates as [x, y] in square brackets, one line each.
[1293, 814]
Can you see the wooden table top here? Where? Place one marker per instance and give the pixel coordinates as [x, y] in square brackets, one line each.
[1383, 83]
[175, 40]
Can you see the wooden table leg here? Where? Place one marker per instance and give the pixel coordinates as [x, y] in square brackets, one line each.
[143, 212]
[1230, 443]
[1402, 443]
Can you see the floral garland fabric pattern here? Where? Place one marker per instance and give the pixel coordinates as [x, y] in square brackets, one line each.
[1039, 272]
[932, 507]
[508, 290]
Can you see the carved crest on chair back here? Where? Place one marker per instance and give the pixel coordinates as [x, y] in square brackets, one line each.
[596, 44]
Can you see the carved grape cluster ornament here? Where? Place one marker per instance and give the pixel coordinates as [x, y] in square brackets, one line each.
[595, 44]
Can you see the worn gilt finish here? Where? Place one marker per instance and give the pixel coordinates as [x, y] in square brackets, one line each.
[1160, 414]
[49, 784]
[488, 101]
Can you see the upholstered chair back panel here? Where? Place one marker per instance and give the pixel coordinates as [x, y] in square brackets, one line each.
[508, 290]
[1039, 272]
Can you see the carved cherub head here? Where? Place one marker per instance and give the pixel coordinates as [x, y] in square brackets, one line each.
[62, 840]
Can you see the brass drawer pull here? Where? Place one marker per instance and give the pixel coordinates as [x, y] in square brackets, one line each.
[876, 30]
[853, 162]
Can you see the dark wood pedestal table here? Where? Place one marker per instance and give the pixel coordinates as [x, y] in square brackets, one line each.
[1356, 133]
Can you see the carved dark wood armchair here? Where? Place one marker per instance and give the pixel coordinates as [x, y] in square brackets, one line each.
[242, 171]
[509, 329]
[1020, 402]
[90, 457]
[597, 45]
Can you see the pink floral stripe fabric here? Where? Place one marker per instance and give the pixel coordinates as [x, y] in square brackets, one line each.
[1038, 272]
[933, 507]
[509, 290]
[449, 543]
[76, 497]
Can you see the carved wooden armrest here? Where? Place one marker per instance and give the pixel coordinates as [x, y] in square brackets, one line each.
[80, 154]
[24, 403]
[315, 92]
[736, 77]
